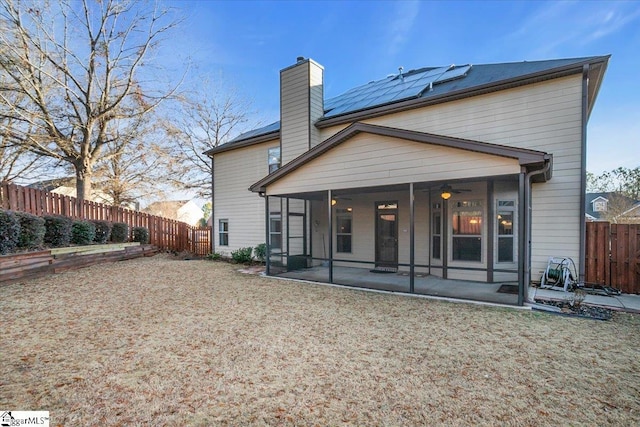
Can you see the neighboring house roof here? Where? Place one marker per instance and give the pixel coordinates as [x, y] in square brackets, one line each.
[52, 184]
[180, 210]
[591, 198]
[429, 85]
[526, 157]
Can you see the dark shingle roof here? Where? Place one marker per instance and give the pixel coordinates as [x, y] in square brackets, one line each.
[424, 83]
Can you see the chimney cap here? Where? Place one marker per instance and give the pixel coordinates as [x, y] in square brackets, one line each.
[300, 58]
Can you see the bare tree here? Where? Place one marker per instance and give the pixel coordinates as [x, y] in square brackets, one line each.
[621, 180]
[619, 210]
[207, 118]
[145, 170]
[17, 164]
[77, 68]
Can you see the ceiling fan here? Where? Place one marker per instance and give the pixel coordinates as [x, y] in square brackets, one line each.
[334, 199]
[446, 191]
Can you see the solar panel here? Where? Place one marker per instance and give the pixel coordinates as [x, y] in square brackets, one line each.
[453, 74]
[392, 89]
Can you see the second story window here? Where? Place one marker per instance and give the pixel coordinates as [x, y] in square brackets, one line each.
[274, 159]
[600, 206]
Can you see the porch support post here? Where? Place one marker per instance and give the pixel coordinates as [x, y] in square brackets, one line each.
[267, 224]
[330, 227]
[522, 244]
[444, 256]
[287, 216]
[412, 239]
[491, 219]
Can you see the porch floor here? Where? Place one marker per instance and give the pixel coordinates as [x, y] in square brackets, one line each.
[399, 282]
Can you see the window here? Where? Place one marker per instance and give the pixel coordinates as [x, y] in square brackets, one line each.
[223, 232]
[504, 220]
[436, 234]
[274, 159]
[344, 220]
[466, 231]
[600, 206]
[275, 233]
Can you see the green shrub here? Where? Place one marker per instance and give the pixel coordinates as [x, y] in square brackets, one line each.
[103, 231]
[214, 256]
[83, 232]
[9, 232]
[242, 255]
[58, 230]
[32, 230]
[260, 252]
[120, 232]
[141, 234]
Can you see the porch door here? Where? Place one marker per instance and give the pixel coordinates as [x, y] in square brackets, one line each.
[387, 234]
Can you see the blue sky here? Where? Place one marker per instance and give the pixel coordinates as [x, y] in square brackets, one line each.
[358, 41]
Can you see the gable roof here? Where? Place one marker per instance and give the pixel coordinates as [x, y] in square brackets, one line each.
[431, 85]
[526, 157]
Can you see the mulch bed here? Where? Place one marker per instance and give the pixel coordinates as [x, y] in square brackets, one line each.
[579, 310]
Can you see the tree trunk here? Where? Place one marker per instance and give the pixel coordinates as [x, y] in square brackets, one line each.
[84, 173]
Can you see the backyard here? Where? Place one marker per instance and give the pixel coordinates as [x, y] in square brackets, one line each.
[163, 341]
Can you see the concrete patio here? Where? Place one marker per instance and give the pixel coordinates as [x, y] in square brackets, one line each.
[449, 288]
[424, 284]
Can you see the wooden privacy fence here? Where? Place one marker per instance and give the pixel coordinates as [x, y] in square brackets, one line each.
[613, 256]
[165, 233]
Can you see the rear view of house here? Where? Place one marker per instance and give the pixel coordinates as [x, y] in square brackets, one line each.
[451, 180]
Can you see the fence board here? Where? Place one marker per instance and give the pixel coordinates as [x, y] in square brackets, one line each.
[597, 253]
[164, 233]
[613, 255]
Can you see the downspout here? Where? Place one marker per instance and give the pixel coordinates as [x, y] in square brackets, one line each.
[527, 226]
[213, 201]
[583, 171]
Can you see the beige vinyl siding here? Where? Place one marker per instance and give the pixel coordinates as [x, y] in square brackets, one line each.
[371, 160]
[294, 111]
[545, 116]
[234, 172]
[363, 238]
[316, 101]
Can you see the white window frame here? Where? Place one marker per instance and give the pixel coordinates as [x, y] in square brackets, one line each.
[222, 232]
[600, 205]
[273, 160]
[475, 205]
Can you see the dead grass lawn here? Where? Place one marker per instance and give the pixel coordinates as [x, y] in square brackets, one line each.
[158, 341]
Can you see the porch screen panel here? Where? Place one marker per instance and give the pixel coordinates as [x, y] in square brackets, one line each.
[296, 241]
[276, 235]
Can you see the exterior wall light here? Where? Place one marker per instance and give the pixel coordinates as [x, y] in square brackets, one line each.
[334, 202]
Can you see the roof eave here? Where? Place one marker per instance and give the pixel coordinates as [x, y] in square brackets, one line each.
[539, 76]
[244, 143]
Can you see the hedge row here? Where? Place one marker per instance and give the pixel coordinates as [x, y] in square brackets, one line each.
[21, 230]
